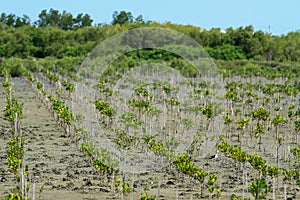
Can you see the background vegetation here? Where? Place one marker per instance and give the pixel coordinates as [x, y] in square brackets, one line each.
[62, 34]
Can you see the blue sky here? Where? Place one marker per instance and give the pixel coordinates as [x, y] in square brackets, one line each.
[282, 16]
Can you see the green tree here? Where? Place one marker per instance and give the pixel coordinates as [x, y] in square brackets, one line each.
[82, 20]
[122, 17]
[66, 21]
[226, 52]
[139, 19]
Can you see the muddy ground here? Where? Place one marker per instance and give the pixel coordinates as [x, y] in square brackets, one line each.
[55, 161]
[62, 171]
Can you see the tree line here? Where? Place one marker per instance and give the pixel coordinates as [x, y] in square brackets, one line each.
[64, 20]
[60, 34]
